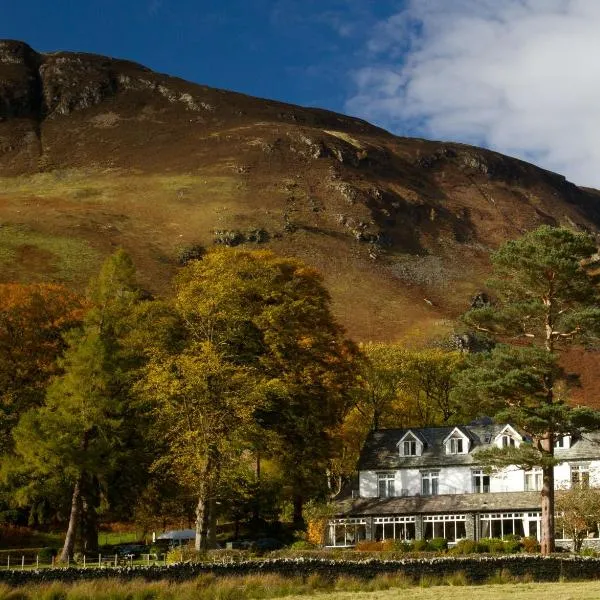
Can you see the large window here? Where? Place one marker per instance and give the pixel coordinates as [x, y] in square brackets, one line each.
[481, 482]
[449, 527]
[396, 528]
[580, 476]
[534, 480]
[499, 525]
[346, 532]
[386, 485]
[430, 483]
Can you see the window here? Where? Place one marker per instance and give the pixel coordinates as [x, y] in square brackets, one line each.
[386, 483]
[534, 480]
[409, 448]
[499, 525]
[396, 528]
[580, 476]
[562, 442]
[455, 445]
[346, 532]
[481, 482]
[449, 527]
[430, 483]
[507, 441]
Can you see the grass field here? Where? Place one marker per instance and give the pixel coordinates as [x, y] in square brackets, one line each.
[257, 587]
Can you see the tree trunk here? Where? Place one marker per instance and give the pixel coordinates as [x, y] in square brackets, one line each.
[89, 525]
[212, 524]
[547, 541]
[202, 516]
[207, 477]
[74, 520]
[298, 518]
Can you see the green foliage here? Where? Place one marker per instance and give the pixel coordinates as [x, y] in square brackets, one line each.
[438, 544]
[547, 295]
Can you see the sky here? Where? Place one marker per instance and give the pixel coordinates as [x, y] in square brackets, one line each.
[518, 76]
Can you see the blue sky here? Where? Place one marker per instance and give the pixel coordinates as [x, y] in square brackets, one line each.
[519, 76]
[299, 51]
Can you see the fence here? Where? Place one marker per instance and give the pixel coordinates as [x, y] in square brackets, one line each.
[29, 561]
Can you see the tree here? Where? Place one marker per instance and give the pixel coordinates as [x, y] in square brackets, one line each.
[547, 297]
[266, 318]
[78, 430]
[578, 511]
[203, 404]
[33, 319]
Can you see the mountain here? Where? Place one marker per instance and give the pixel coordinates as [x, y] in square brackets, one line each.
[97, 153]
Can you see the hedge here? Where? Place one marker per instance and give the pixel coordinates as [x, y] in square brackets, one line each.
[476, 569]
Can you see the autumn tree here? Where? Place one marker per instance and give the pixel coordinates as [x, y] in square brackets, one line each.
[266, 320]
[546, 298]
[33, 319]
[77, 433]
[578, 513]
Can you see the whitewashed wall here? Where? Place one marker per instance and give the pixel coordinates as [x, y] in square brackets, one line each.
[458, 480]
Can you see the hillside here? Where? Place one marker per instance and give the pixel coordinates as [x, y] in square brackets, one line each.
[97, 153]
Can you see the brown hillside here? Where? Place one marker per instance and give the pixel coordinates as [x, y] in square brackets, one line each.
[97, 153]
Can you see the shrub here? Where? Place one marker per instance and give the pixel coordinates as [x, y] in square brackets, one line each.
[513, 546]
[302, 545]
[465, 547]
[402, 546]
[45, 555]
[491, 545]
[420, 546]
[438, 544]
[530, 545]
[183, 554]
[188, 253]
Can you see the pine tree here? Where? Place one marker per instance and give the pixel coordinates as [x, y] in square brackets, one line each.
[547, 297]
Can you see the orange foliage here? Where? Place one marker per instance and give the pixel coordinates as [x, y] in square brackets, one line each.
[33, 319]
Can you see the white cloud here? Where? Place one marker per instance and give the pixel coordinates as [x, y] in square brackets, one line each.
[520, 76]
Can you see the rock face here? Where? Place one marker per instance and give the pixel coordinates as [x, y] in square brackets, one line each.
[104, 152]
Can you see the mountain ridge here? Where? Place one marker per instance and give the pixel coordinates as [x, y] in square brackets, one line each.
[97, 153]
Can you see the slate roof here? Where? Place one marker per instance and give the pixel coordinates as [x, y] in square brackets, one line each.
[380, 451]
[447, 503]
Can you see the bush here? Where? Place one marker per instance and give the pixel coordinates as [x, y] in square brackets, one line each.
[367, 546]
[188, 253]
[183, 554]
[513, 546]
[491, 545]
[402, 546]
[438, 544]
[420, 546]
[465, 547]
[530, 545]
[302, 545]
[45, 555]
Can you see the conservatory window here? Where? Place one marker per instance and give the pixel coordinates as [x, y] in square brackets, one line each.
[449, 527]
[396, 528]
[346, 532]
[499, 525]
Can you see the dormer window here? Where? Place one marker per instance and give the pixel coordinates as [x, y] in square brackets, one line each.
[507, 441]
[508, 438]
[457, 442]
[410, 445]
[409, 448]
[455, 446]
[562, 442]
